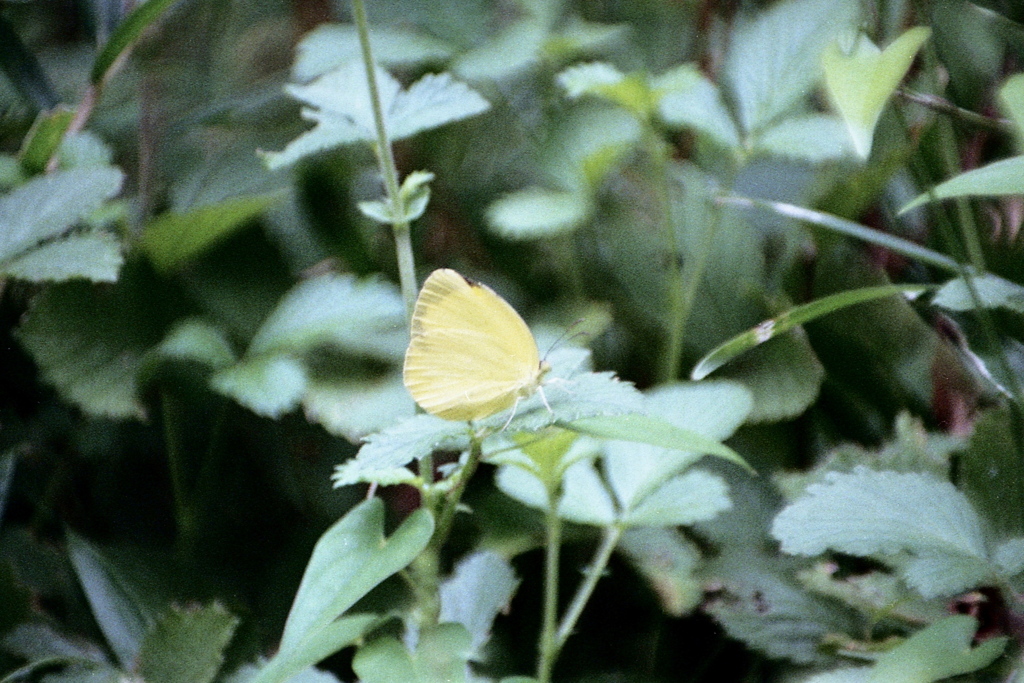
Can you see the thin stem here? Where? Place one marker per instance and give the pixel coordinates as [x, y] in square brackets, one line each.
[389, 171]
[944, 106]
[184, 513]
[678, 310]
[593, 574]
[548, 646]
[454, 497]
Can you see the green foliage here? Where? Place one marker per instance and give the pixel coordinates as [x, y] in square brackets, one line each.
[195, 333]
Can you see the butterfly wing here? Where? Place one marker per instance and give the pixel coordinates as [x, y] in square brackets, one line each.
[470, 355]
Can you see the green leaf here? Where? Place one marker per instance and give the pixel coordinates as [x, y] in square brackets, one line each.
[814, 138]
[361, 317]
[785, 322]
[584, 500]
[480, 588]
[329, 46]
[849, 228]
[441, 656]
[1000, 178]
[667, 560]
[536, 213]
[1011, 101]
[44, 138]
[939, 651]
[867, 513]
[126, 33]
[654, 431]
[686, 97]
[47, 206]
[413, 198]
[861, 83]
[774, 59]
[382, 457]
[350, 559]
[90, 342]
[269, 385]
[602, 80]
[1010, 556]
[514, 49]
[171, 239]
[695, 496]
[357, 407]
[96, 257]
[198, 341]
[119, 612]
[993, 292]
[339, 103]
[186, 645]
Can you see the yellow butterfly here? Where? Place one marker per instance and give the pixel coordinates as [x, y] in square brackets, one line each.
[471, 355]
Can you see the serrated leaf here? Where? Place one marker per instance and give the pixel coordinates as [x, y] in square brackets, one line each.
[269, 385]
[198, 341]
[350, 559]
[329, 46]
[867, 513]
[993, 292]
[666, 559]
[363, 317]
[602, 80]
[517, 47]
[96, 257]
[357, 408]
[861, 83]
[186, 645]
[339, 104]
[536, 213]
[814, 138]
[1000, 178]
[584, 500]
[774, 58]
[49, 205]
[695, 496]
[120, 614]
[441, 656]
[90, 342]
[939, 651]
[481, 586]
[171, 239]
[686, 97]
[654, 431]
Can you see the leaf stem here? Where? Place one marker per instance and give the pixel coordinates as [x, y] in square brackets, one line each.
[548, 645]
[386, 159]
[593, 573]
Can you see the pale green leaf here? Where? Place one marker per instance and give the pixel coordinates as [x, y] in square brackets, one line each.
[350, 559]
[441, 656]
[329, 46]
[1011, 101]
[686, 97]
[774, 58]
[853, 674]
[269, 385]
[516, 48]
[362, 317]
[868, 513]
[385, 452]
[590, 78]
[49, 205]
[96, 257]
[199, 341]
[339, 103]
[814, 138]
[695, 496]
[171, 239]
[186, 645]
[480, 588]
[355, 408]
[993, 292]
[1010, 556]
[667, 560]
[861, 83]
[585, 500]
[121, 614]
[1000, 178]
[536, 213]
[942, 650]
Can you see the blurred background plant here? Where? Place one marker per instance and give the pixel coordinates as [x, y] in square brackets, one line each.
[202, 317]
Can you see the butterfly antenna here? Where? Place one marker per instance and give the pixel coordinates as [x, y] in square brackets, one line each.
[566, 336]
